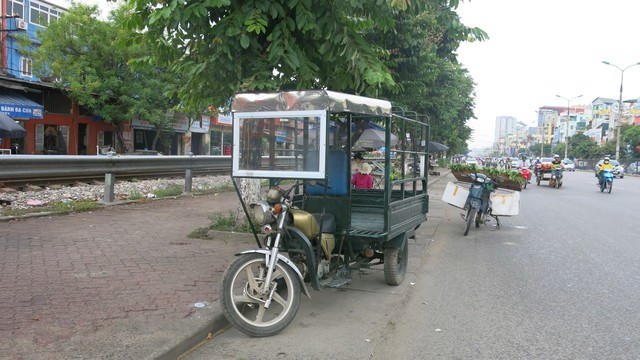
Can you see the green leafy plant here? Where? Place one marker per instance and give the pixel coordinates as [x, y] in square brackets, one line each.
[58, 207]
[136, 195]
[171, 190]
[220, 222]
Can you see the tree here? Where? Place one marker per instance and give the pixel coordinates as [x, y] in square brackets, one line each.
[582, 147]
[221, 47]
[423, 62]
[632, 138]
[77, 53]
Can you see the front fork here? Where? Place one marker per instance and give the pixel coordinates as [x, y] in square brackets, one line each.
[272, 258]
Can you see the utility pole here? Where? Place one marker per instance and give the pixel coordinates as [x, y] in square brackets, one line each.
[619, 119]
[566, 136]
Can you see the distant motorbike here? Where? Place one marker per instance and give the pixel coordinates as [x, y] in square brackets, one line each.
[526, 175]
[606, 180]
[478, 205]
[556, 177]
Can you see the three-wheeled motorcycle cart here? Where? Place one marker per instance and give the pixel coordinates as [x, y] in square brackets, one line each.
[312, 227]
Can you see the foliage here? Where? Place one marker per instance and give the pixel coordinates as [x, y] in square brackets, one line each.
[582, 147]
[631, 137]
[169, 190]
[58, 207]
[221, 47]
[498, 175]
[220, 222]
[77, 54]
[423, 62]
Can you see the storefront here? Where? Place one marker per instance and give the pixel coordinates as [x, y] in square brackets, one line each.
[18, 109]
[221, 135]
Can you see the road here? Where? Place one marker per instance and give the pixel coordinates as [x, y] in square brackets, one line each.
[559, 281]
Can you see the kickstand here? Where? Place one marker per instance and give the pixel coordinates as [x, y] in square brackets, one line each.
[497, 220]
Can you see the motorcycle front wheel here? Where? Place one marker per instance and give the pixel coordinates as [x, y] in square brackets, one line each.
[243, 304]
[471, 216]
[609, 186]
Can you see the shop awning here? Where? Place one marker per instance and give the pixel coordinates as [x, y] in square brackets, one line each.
[9, 128]
[19, 107]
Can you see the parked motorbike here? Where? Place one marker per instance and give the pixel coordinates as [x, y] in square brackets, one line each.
[526, 175]
[606, 180]
[478, 204]
[556, 177]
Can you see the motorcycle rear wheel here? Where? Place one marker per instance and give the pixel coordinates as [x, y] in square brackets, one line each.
[471, 215]
[243, 305]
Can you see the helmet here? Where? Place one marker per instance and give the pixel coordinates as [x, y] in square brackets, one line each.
[537, 157]
[556, 155]
[606, 158]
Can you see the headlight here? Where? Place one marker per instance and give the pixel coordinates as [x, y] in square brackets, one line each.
[274, 195]
[261, 213]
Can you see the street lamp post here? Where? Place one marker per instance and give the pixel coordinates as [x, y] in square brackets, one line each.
[566, 144]
[617, 127]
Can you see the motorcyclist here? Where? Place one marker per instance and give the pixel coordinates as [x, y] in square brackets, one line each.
[536, 165]
[606, 164]
[556, 164]
[523, 161]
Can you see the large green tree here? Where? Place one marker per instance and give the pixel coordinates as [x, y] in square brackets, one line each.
[396, 49]
[424, 63]
[221, 47]
[77, 54]
[631, 137]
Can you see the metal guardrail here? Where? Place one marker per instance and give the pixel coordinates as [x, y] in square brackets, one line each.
[44, 166]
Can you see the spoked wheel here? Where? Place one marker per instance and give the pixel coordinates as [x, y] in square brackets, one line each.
[395, 262]
[243, 304]
[471, 215]
[609, 186]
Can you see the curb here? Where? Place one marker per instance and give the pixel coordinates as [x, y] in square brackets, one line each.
[217, 322]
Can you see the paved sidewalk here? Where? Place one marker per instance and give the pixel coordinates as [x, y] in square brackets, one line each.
[118, 283]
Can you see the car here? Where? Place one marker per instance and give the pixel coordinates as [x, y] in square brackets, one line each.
[618, 169]
[472, 161]
[569, 165]
[514, 164]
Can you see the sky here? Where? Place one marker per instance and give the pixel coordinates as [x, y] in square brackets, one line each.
[538, 49]
[103, 5]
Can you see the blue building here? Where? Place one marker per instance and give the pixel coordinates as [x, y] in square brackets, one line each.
[23, 17]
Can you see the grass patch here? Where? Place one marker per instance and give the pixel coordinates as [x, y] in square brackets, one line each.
[171, 190]
[136, 195]
[220, 222]
[58, 207]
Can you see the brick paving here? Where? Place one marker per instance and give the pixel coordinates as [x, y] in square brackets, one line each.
[112, 284]
[66, 277]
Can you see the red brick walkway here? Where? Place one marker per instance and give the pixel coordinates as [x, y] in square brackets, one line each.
[70, 276]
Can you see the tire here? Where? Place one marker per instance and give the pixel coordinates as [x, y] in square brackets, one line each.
[471, 215]
[609, 186]
[525, 184]
[248, 314]
[395, 263]
[538, 180]
[478, 217]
